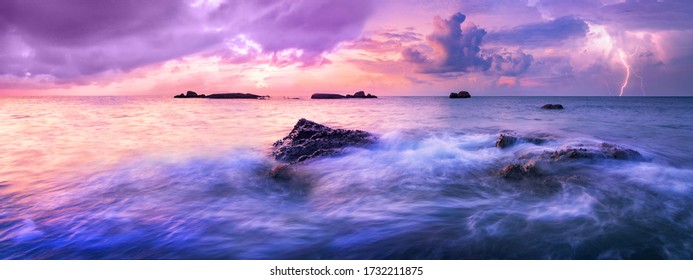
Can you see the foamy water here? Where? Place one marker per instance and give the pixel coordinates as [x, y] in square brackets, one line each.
[163, 178]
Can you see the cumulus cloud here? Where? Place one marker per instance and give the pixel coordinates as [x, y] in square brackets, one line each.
[457, 48]
[510, 63]
[74, 38]
[541, 34]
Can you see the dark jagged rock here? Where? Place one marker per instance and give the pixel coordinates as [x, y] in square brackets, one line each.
[603, 151]
[309, 139]
[544, 171]
[516, 171]
[507, 140]
[236, 96]
[190, 94]
[552, 107]
[361, 94]
[327, 96]
[461, 94]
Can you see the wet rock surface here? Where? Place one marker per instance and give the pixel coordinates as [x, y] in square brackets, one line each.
[545, 171]
[506, 140]
[308, 140]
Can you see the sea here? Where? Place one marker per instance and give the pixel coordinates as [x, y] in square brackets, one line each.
[164, 178]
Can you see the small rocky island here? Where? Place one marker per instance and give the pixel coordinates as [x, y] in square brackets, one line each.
[192, 94]
[552, 107]
[358, 94]
[461, 94]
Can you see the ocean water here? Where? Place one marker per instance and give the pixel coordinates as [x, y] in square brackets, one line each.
[164, 178]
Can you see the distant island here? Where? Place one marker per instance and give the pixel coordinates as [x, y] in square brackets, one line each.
[461, 94]
[358, 94]
[192, 94]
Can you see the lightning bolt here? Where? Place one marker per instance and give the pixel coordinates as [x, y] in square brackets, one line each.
[625, 64]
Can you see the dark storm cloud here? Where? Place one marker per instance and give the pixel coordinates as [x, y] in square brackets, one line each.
[71, 38]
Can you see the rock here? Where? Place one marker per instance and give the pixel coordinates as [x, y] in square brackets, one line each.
[461, 94]
[235, 95]
[327, 96]
[603, 151]
[192, 94]
[552, 107]
[309, 140]
[282, 172]
[361, 94]
[516, 171]
[544, 171]
[506, 140]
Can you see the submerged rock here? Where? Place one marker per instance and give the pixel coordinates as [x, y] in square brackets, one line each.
[518, 171]
[552, 107]
[309, 140]
[544, 171]
[461, 94]
[603, 151]
[507, 140]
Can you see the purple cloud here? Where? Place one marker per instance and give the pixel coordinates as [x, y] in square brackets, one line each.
[457, 48]
[74, 38]
[541, 34]
[650, 14]
[510, 63]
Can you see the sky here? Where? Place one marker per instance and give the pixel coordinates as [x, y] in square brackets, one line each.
[385, 47]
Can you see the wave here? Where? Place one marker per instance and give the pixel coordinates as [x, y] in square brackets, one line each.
[414, 195]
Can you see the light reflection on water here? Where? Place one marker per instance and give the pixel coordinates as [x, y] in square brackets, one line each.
[123, 177]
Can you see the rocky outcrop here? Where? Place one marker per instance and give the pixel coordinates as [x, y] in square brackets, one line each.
[461, 94]
[190, 94]
[507, 140]
[361, 94]
[544, 171]
[327, 96]
[236, 96]
[358, 94]
[309, 140]
[539, 164]
[603, 151]
[552, 107]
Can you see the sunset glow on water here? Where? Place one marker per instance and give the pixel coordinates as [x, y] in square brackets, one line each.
[346, 129]
[133, 178]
